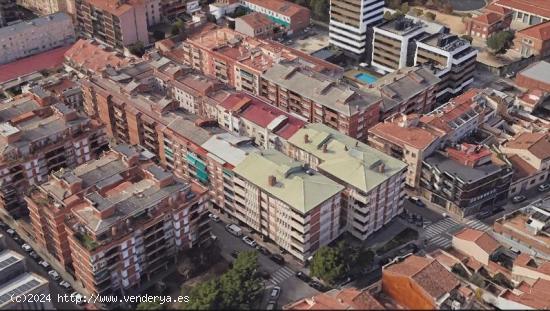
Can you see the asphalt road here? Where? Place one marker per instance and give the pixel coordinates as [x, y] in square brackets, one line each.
[292, 288]
[33, 266]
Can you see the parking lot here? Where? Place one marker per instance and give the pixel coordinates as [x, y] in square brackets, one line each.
[275, 274]
[36, 264]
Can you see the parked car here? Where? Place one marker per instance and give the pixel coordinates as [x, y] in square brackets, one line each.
[277, 259]
[234, 230]
[518, 198]
[215, 218]
[44, 264]
[263, 250]
[26, 247]
[417, 201]
[271, 305]
[543, 187]
[318, 286]
[10, 232]
[234, 254]
[275, 293]
[498, 210]
[302, 276]
[18, 240]
[249, 241]
[484, 214]
[54, 275]
[34, 255]
[78, 298]
[65, 284]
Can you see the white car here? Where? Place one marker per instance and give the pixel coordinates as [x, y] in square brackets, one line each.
[54, 275]
[249, 241]
[26, 247]
[44, 264]
[65, 284]
[78, 298]
[214, 218]
[10, 232]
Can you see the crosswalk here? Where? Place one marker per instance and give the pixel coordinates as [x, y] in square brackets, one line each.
[476, 224]
[441, 241]
[439, 227]
[281, 275]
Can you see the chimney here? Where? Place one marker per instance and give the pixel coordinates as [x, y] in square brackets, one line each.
[324, 148]
[381, 168]
[271, 180]
[306, 138]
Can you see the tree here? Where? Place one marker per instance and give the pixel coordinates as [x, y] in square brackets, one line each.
[150, 305]
[205, 296]
[211, 18]
[405, 8]
[239, 11]
[241, 285]
[467, 38]
[328, 264]
[430, 16]
[138, 49]
[500, 42]
[418, 12]
[158, 35]
[393, 4]
[320, 9]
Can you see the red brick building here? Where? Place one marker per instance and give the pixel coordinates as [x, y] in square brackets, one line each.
[494, 19]
[535, 76]
[534, 41]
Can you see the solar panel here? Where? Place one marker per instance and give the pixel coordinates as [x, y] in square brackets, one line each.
[21, 289]
[8, 261]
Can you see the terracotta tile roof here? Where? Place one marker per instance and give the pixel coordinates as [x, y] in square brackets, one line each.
[429, 274]
[285, 8]
[540, 31]
[345, 299]
[526, 261]
[47, 60]
[535, 296]
[92, 56]
[497, 9]
[488, 18]
[480, 238]
[536, 7]
[113, 6]
[417, 137]
[521, 167]
[256, 20]
[537, 143]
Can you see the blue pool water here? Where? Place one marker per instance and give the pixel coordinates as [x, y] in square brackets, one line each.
[365, 78]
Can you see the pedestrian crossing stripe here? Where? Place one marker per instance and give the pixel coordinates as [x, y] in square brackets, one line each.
[478, 225]
[281, 275]
[439, 227]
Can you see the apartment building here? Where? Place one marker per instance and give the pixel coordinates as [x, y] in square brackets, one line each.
[320, 99]
[137, 108]
[405, 138]
[120, 219]
[529, 154]
[428, 284]
[351, 22]
[238, 60]
[394, 42]
[45, 7]
[533, 41]
[450, 58]
[494, 18]
[527, 229]
[15, 279]
[296, 208]
[38, 138]
[255, 25]
[373, 181]
[246, 115]
[90, 57]
[116, 23]
[465, 180]
[174, 8]
[291, 16]
[408, 90]
[225, 152]
[7, 12]
[28, 38]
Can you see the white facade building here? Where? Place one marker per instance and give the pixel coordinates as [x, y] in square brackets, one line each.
[349, 23]
[35, 36]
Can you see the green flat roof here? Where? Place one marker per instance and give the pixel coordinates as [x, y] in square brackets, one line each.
[294, 186]
[346, 158]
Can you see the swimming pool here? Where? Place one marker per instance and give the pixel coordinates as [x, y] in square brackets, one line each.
[366, 78]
